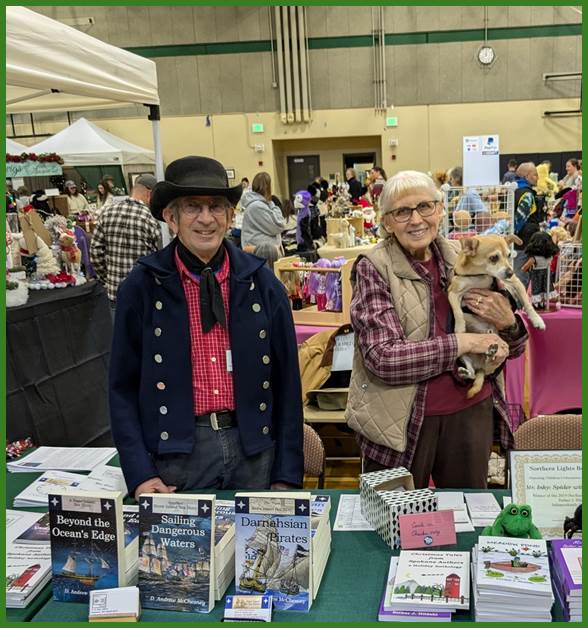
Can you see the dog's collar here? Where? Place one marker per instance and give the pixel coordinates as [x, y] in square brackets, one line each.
[478, 275]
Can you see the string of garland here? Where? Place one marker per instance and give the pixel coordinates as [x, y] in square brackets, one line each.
[43, 157]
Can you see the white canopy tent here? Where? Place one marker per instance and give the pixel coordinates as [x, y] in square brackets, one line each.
[85, 144]
[54, 67]
[14, 148]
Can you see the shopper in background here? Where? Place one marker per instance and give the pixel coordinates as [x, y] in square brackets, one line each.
[104, 196]
[377, 181]
[529, 214]
[356, 189]
[510, 175]
[263, 221]
[571, 178]
[76, 202]
[469, 199]
[269, 253]
[405, 403]
[204, 380]
[125, 231]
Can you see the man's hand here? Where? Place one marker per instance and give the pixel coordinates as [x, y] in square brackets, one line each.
[281, 486]
[154, 485]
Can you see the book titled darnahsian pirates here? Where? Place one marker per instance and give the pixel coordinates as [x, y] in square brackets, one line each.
[87, 543]
[176, 552]
[273, 548]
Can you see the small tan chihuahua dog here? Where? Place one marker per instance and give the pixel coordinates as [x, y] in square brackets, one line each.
[482, 260]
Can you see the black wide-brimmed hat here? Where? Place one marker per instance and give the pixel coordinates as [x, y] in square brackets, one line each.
[192, 176]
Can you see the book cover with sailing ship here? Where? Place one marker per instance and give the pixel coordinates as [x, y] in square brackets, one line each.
[176, 552]
[273, 548]
[87, 543]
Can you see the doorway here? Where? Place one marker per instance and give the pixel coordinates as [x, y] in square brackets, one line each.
[302, 170]
[362, 163]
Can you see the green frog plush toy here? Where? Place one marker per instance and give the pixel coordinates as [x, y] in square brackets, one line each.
[514, 521]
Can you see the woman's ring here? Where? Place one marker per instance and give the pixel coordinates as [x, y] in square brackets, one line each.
[479, 301]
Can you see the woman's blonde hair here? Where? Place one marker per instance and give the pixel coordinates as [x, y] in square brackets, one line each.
[262, 184]
[401, 184]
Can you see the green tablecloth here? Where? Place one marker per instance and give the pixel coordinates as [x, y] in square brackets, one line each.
[351, 588]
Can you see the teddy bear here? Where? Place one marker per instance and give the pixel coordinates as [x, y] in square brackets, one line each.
[71, 255]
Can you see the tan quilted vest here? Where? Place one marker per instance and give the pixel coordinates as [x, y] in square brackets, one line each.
[376, 410]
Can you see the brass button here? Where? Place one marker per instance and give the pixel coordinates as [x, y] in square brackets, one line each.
[265, 359]
[158, 305]
[164, 436]
[263, 406]
[162, 409]
[158, 358]
[157, 331]
[265, 429]
[263, 334]
[256, 307]
[265, 385]
[160, 386]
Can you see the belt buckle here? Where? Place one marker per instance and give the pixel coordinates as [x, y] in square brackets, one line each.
[214, 422]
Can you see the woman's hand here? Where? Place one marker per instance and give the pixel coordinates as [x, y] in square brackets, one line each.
[490, 345]
[490, 306]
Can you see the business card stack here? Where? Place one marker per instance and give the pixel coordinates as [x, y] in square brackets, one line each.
[483, 508]
[512, 580]
[565, 557]
[454, 500]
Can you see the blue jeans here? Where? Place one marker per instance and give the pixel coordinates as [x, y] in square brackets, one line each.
[216, 461]
[517, 264]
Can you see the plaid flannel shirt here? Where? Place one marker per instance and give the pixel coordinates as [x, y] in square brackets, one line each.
[388, 355]
[125, 232]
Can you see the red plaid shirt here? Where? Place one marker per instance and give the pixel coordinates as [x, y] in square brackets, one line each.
[212, 383]
[398, 362]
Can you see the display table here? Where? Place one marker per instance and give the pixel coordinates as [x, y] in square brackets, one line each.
[304, 332]
[57, 355]
[343, 596]
[330, 252]
[551, 367]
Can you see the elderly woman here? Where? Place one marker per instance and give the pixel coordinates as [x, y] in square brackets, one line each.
[406, 402]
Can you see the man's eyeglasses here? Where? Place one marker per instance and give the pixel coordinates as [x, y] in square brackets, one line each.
[217, 207]
[403, 214]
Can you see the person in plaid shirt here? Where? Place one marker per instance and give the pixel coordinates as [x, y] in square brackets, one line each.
[125, 232]
[406, 401]
[204, 379]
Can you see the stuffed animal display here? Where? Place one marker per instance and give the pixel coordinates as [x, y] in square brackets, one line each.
[541, 249]
[70, 253]
[515, 520]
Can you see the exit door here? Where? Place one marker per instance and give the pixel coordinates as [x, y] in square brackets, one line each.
[302, 170]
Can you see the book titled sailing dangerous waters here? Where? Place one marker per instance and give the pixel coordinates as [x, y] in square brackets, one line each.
[176, 553]
[273, 548]
[87, 543]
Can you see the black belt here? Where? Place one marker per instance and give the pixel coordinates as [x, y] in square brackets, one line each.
[221, 420]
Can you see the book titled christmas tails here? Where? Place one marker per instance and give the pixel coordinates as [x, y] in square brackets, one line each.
[87, 543]
[176, 552]
[273, 548]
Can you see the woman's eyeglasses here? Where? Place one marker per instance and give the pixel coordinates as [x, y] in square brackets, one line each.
[403, 214]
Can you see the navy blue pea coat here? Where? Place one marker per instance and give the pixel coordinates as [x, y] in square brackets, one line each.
[151, 368]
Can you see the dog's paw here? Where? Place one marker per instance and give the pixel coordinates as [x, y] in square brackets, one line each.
[537, 322]
[466, 373]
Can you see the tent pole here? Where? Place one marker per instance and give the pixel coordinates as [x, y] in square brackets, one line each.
[154, 116]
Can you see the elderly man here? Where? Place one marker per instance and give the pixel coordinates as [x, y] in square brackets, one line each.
[204, 379]
[529, 214]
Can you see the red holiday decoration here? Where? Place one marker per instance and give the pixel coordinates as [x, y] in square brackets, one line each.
[43, 157]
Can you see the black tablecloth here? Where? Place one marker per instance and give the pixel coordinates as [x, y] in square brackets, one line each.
[57, 353]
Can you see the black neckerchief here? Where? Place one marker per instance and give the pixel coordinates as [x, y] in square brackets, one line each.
[212, 308]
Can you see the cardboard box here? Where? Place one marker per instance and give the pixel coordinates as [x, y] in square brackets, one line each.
[382, 505]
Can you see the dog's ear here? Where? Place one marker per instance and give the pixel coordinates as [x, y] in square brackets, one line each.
[469, 246]
[511, 237]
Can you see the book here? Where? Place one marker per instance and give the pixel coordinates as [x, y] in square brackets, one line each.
[176, 553]
[87, 543]
[432, 580]
[121, 604]
[224, 546]
[37, 532]
[388, 612]
[273, 548]
[62, 459]
[567, 563]
[320, 505]
[28, 570]
[19, 522]
[131, 536]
